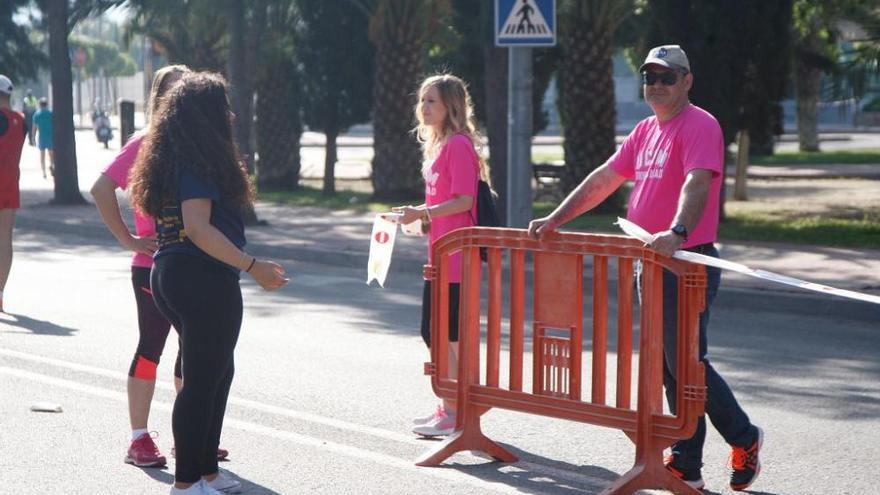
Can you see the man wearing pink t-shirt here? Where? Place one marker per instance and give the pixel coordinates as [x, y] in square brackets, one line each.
[675, 161]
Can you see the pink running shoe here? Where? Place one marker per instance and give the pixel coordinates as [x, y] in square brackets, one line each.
[440, 426]
[144, 453]
[423, 420]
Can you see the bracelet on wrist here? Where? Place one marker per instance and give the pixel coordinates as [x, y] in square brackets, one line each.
[253, 261]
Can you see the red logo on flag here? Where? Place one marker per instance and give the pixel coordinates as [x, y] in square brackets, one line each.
[382, 237]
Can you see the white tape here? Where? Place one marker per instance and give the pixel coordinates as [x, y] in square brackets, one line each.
[641, 234]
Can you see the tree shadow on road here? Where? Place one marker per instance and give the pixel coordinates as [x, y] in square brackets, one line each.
[35, 326]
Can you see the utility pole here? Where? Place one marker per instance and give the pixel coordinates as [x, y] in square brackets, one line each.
[519, 137]
[521, 25]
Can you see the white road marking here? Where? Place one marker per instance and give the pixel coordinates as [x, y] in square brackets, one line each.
[554, 473]
[306, 440]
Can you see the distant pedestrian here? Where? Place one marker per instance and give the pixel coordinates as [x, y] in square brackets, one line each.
[45, 136]
[29, 106]
[153, 327]
[12, 134]
[675, 159]
[190, 177]
[451, 169]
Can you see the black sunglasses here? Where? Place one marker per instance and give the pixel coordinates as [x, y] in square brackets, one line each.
[665, 78]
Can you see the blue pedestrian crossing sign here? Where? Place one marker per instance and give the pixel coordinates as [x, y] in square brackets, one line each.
[525, 22]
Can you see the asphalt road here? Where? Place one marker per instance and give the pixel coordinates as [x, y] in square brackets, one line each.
[329, 373]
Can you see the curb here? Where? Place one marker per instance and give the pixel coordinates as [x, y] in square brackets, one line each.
[731, 295]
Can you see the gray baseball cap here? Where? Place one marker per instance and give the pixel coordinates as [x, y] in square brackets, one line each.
[671, 56]
[5, 85]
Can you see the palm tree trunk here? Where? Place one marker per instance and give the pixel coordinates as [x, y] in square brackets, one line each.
[66, 180]
[396, 152]
[240, 87]
[278, 129]
[399, 32]
[807, 83]
[588, 110]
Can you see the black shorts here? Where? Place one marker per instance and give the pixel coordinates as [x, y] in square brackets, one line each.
[453, 312]
[153, 327]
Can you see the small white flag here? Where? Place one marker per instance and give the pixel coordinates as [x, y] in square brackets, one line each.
[381, 248]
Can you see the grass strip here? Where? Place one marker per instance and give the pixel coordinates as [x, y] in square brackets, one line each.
[738, 226]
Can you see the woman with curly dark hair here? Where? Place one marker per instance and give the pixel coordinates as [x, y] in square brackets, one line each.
[190, 177]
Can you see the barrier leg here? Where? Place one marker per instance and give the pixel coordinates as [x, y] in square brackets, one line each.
[469, 437]
[467, 434]
[649, 473]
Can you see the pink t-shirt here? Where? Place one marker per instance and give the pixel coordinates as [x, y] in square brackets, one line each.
[453, 173]
[117, 171]
[658, 156]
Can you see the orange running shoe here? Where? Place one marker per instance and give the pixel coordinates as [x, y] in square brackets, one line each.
[745, 463]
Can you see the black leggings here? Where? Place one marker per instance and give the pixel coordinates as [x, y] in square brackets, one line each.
[203, 300]
[153, 329]
[454, 289]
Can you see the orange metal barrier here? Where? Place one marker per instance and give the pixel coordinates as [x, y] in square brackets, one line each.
[557, 343]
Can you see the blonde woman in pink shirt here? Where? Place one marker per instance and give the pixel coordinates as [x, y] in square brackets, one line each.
[451, 169]
[153, 327]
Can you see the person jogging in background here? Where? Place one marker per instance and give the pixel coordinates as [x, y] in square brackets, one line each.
[675, 160]
[12, 134]
[45, 135]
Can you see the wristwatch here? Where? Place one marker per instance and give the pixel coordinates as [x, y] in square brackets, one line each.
[680, 230]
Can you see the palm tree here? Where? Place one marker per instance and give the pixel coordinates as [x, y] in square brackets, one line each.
[20, 57]
[587, 102]
[279, 127]
[66, 178]
[246, 23]
[192, 33]
[814, 53]
[399, 29]
[279, 94]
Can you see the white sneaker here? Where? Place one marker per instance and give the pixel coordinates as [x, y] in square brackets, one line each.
[440, 426]
[224, 483]
[200, 487]
[423, 420]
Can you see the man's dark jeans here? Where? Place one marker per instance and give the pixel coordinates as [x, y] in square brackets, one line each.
[721, 406]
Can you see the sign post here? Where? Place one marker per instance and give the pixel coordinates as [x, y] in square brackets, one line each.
[521, 25]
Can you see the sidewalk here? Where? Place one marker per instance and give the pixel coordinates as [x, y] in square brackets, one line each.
[810, 171]
[341, 238]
